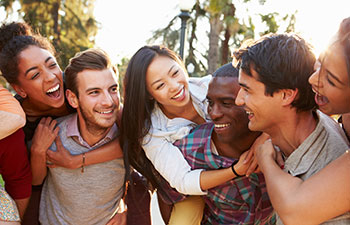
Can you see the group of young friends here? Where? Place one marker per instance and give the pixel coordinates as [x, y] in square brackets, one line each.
[253, 143]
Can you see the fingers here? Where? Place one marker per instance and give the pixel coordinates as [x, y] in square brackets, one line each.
[249, 156]
[58, 143]
[279, 159]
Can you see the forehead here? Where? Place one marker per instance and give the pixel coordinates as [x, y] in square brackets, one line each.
[160, 65]
[33, 55]
[96, 79]
[334, 60]
[223, 86]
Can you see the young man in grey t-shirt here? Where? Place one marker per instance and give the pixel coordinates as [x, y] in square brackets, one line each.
[278, 98]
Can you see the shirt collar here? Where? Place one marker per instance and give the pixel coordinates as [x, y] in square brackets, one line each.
[302, 158]
[73, 131]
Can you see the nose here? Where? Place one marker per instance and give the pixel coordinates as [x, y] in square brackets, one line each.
[215, 112]
[107, 100]
[173, 85]
[315, 80]
[240, 99]
[49, 76]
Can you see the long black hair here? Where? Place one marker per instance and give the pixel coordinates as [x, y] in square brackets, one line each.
[137, 110]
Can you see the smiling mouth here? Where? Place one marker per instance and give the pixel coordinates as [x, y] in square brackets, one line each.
[250, 114]
[223, 125]
[105, 112]
[54, 91]
[179, 94]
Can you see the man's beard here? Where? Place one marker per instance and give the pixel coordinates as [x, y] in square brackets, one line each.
[91, 124]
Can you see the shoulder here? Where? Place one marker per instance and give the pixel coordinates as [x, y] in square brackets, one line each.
[199, 85]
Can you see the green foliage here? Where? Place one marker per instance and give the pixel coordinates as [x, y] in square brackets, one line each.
[69, 24]
[232, 31]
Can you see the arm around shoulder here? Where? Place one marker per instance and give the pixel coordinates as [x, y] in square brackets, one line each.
[12, 116]
[323, 196]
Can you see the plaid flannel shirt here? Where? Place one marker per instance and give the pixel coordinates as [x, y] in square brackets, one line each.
[243, 200]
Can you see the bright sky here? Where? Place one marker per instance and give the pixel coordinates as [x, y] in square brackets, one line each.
[126, 25]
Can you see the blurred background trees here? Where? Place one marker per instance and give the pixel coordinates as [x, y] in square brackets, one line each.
[70, 25]
[214, 30]
[226, 32]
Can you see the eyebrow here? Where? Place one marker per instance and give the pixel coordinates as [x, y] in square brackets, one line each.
[155, 82]
[92, 89]
[35, 67]
[334, 77]
[244, 85]
[171, 68]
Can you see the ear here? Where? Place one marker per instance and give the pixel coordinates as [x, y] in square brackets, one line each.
[288, 96]
[19, 90]
[72, 99]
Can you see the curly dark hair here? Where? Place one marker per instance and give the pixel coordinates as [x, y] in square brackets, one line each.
[14, 38]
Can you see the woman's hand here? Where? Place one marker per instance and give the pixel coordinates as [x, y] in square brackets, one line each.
[44, 135]
[62, 157]
[266, 153]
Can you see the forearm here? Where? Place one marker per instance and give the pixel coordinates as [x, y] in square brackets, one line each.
[213, 178]
[280, 186]
[38, 166]
[10, 123]
[321, 197]
[22, 205]
[107, 152]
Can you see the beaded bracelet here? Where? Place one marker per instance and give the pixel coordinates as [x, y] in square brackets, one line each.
[82, 166]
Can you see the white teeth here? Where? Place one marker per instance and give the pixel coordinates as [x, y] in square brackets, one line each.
[222, 125]
[106, 112]
[249, 113]
[181, 92]
[53, 89]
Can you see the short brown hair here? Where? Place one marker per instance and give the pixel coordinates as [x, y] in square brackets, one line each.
[91, 59]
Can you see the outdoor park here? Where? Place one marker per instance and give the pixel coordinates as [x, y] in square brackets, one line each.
[204, 34]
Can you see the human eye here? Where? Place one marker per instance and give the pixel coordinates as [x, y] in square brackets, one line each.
[159, 86]
[114, 89]
[227, 103]
[35, 75]
[176, 72]
[210, 102]
[94, 92]
[329, 81]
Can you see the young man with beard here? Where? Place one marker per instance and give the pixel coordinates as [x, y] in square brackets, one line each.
[90, 194]
[220, 144]
[278, 98]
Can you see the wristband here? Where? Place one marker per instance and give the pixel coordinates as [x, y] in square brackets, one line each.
[234, 171]
[82, 166]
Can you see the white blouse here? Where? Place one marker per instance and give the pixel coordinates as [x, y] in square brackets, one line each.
[158, 143]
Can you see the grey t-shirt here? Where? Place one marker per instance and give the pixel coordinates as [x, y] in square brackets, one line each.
[70, 197]
[325, 144]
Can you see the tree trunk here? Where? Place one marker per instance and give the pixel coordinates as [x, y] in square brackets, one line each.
[56, 28]
[213, 53]
[225, 48]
